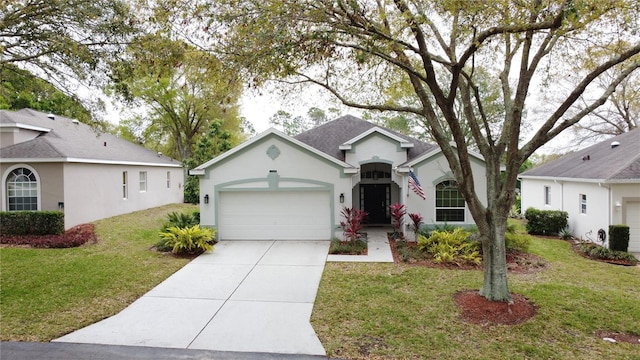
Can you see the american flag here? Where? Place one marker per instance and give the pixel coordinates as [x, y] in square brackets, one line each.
[414, 185]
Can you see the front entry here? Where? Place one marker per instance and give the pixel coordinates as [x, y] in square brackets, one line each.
[375, 199]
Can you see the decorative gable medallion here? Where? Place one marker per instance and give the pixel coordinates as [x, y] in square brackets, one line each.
[273, 152]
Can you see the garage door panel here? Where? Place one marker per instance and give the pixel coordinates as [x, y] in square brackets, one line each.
[277, 215]
[633, 220]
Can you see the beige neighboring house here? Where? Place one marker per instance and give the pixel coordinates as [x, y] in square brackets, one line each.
[49, 162]
[280, 187]
[597, 186]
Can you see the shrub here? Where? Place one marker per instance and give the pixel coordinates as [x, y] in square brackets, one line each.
[352, 225]
[398, 211]
[619, 237]
[515, 241]
[451, 247]
[76, 236]
[188, 240]
[601, 252]
[31, 223]
[545, 222]
[566, 234]
[181, 220]
[416, 220]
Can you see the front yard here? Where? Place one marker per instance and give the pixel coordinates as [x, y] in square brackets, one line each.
[362, 311]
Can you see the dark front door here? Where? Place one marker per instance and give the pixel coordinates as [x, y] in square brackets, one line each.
[375, 199]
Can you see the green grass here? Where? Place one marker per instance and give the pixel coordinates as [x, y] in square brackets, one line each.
[46, 293]
[374, 311]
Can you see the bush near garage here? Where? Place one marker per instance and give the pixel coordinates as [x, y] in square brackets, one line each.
[192, 240]
[31, 223]
[619, 237]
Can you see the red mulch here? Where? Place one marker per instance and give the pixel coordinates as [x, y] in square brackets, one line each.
[76, 236]
[478, 310]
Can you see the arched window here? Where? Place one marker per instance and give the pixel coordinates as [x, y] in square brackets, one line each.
[22, 190]
[450, 204]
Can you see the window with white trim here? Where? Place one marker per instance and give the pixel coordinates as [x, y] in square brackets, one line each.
[125, 186]
[22, 190]
[547, 195]
[583, 203]
[143, 181]
[450, 205]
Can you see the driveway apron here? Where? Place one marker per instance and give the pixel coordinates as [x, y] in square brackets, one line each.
[247, 296]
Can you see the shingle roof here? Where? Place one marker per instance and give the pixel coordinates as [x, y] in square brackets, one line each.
[328, 137]
[69, 139]
[598, 162]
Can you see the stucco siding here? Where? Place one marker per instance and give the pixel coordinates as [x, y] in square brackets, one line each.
[51, 183]
[622, 194]
[533, 194]
[94, 191]
[376, 148]
[433, 171]
[275, 165]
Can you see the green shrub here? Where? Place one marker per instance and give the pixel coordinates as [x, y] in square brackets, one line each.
[181, 220]
[601, 252]
[515, 241]
[31, 223]
[451, 247]
[188, 240]
[566, 234]
[619, 237]
[545, 222]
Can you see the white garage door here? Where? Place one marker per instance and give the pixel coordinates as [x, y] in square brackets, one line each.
[294, 215]
[633, 220]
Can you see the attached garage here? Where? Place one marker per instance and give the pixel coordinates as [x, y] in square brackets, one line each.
[633, 220]
[274, 215]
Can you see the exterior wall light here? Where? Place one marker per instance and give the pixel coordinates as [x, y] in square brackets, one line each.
[206, 199]
[341, 198]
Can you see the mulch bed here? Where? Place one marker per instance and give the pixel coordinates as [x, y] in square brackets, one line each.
[517, 262]
[478, 310]
[619, 337]
[575, 245]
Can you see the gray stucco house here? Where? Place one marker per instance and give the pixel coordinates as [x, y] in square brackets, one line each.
[275, 186]
[50, 162]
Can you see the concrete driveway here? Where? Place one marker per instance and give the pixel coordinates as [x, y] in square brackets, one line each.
[246, 296]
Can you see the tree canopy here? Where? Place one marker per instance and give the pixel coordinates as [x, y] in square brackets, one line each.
[441, 51]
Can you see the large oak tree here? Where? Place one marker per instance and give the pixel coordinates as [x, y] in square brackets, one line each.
[441, 50]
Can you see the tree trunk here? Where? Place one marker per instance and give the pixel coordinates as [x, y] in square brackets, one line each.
[495, 286]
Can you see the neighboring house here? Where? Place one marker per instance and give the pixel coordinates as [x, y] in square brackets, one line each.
[279, 187]
[598, 186]
[51, 162]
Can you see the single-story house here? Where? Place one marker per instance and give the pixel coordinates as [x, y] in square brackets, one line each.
[275, 186]
[50, 162]
[597, 186]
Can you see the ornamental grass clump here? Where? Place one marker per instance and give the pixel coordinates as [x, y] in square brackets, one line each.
[189, 240]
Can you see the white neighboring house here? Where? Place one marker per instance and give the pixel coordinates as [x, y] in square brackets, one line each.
[294, 188]
[51, 162]
[597, 186]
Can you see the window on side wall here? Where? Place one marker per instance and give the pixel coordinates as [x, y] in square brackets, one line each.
[450, 205]
[168, 179]
[143, 181]
[125, 186]
[547, 195]
[583, 203]
[22, 190]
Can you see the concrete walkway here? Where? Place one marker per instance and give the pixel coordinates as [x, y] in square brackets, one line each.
[246, 296]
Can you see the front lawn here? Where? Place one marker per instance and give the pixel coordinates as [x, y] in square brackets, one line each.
[376, 311]
[47, 293]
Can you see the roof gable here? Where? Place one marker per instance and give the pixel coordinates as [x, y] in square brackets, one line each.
[335, 136]
[200, 170]
[68, 140]
[601, 162]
